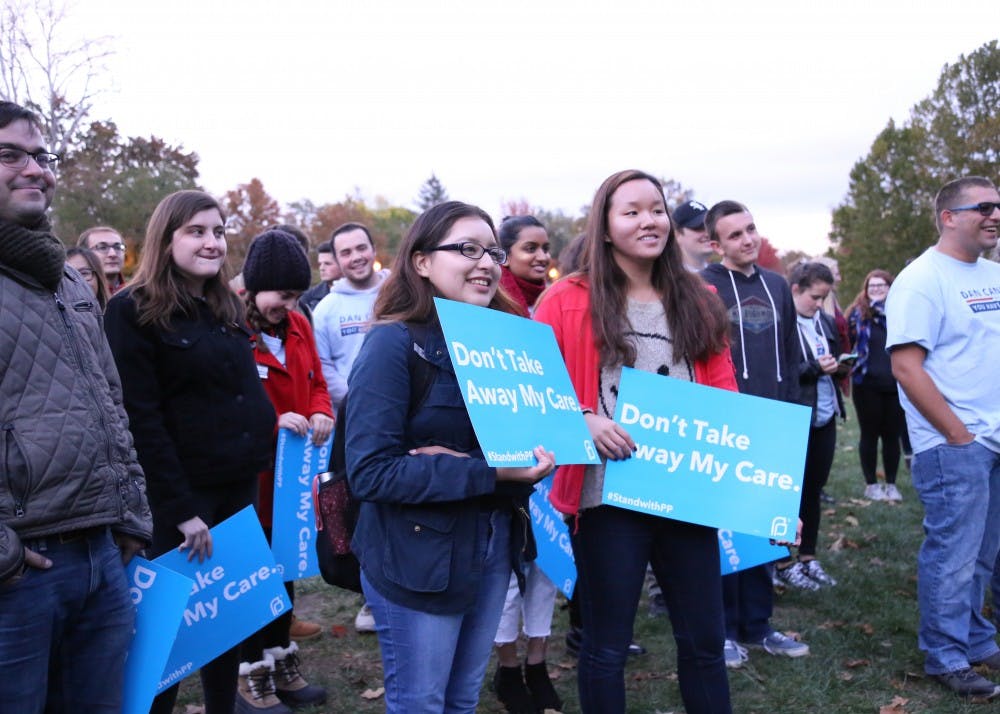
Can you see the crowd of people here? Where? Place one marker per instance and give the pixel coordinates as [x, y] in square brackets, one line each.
[109, 385]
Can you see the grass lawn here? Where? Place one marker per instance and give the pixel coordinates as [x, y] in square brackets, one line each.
[862, 633]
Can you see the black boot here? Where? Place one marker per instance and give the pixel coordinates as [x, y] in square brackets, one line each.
[543, 694]
[511, 690]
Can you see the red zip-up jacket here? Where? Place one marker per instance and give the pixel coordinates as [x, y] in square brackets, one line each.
[297, 387]
[566, 308]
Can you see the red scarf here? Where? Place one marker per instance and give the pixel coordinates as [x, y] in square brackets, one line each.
[524, 292]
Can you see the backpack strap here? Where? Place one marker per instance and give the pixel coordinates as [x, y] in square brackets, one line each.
[421, 370]
[421, 381]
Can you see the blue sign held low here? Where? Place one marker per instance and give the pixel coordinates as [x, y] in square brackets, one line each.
[293, 532]
[234, 593]
[555, 552]
[738, 551]
[160, 596]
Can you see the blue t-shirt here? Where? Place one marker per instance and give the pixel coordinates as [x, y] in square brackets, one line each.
[952, 309]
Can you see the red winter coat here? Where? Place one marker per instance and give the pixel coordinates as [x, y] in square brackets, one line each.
[297, 387]
[566, 307]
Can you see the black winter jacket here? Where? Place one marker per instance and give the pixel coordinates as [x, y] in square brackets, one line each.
[763, 340]
[198, 411]
[810, 372]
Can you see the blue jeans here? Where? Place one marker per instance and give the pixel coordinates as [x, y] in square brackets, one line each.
[612, 546]
[435, 663]
[960, 489]
[65, 631]
[748, 597]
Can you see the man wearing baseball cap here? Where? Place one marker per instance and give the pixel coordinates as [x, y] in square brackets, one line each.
[689, 223]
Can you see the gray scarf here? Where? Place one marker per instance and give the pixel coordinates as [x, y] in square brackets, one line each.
[33, 251]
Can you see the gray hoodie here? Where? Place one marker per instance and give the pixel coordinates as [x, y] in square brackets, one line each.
[340, 322]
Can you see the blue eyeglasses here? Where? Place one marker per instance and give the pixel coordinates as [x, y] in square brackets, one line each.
[985, 208]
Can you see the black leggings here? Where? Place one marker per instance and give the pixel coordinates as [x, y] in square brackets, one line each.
[273, 634]
[218, 677]
[879, 417]
[819, 459]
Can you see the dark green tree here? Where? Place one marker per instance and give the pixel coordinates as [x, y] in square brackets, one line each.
[887, 218]
[431, 193]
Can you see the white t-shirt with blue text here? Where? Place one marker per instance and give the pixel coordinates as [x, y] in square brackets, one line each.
[952, 309]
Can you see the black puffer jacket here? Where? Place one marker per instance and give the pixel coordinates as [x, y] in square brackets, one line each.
[65, 450]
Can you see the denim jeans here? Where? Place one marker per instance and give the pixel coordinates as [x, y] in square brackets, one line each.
[435, 663]
[65, 631]
[748, 599]
[612, 546]
[960, 489]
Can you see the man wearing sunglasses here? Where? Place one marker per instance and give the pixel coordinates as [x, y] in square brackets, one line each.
[73, 505]
[110, 248]
[943, 316]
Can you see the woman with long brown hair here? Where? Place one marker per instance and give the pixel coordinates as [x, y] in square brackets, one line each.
[634, 304]
[201, 420]
[439, 529]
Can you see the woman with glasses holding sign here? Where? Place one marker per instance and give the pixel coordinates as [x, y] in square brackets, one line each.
[439, 530]
[202, 423]
[634, 304]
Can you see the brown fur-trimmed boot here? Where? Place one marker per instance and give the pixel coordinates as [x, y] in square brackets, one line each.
[290, 686]
[255, 690]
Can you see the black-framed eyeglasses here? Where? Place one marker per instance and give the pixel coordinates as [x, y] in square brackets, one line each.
[473, 251]
[14, 158]
[985, 208]
[106, 247]
[87, 273]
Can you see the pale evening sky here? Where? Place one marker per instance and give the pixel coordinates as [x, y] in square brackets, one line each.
[768, 102]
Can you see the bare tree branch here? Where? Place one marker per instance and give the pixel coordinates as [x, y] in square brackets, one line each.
[43, 67]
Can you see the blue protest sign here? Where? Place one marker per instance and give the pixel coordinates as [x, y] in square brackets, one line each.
[235, 593]
[709, 456]
[160, 596]
[293, 532]
[555, 552]
[738, 551]
[515, 385]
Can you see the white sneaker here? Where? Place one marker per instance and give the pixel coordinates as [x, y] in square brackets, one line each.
[815, 571]
[364, 622]
[735, 654]
[892, 493]
[874, 492]
[796, 577]
[778, 643]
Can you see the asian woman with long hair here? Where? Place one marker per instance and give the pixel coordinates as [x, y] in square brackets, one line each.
[634, 304]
